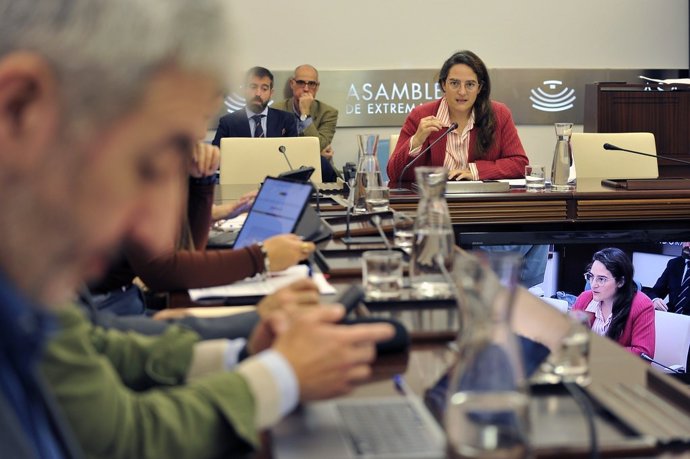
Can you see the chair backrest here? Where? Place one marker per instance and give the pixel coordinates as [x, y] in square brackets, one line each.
[672, 338]
[246, 160]
[393, 142]
[592, 161]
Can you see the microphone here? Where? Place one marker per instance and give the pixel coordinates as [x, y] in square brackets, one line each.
[282, 150]
[376, 220]
[608, 146]
[451, 128]
[651, 360]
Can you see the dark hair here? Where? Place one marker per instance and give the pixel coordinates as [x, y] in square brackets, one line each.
[620, 266]
[259, 72]
[483, 112]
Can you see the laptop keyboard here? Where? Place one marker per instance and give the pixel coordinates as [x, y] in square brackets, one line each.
[385, 429]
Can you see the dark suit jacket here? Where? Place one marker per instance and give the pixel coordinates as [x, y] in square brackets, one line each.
[236, 124]
[669, 282]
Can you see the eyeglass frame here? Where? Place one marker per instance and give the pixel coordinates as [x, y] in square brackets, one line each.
[311, 84]
[591, 278]
[469, 85]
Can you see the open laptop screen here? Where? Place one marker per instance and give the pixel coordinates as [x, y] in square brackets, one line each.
[276, 210]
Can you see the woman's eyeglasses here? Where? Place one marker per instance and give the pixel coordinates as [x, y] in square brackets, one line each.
[599, 280]
[470, 85]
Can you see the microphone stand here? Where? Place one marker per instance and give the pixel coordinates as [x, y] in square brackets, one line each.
[608, 146]
[376, 220]
[451, 128]
[348, 210]
[651, 360]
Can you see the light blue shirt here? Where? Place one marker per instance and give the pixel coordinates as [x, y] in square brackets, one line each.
[280, 369]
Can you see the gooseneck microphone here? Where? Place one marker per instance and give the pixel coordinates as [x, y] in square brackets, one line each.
[609, 146]
[451, 128]
[376, 220]
[282, 150]
[651, 360]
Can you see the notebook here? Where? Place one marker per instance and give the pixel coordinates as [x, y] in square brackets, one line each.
[276, 210]
[366, 428]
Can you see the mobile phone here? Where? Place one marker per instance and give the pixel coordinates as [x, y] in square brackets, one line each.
[350, 298]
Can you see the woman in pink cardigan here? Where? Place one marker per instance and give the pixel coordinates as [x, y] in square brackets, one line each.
[485, 145]
[615, 308]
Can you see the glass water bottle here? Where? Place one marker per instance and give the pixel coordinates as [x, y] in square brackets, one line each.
[562, 157]
[433, 235]
[487, 406]
[368, 170]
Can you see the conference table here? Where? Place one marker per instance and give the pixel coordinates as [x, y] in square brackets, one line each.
[589, 212]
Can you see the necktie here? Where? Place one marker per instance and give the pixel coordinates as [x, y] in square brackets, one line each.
[684, 295]
[258, 130]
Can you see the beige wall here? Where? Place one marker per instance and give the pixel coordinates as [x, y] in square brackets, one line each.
[399, 34]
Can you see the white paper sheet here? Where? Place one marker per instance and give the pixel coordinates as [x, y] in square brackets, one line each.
[257, 286]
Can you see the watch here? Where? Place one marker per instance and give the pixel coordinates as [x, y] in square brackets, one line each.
[303, 117]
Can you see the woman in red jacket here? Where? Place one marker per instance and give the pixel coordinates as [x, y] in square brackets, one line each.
[615, 308]
[485, 144]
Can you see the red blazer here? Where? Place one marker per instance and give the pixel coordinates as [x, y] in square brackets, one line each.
[638, 334]
[505, 159]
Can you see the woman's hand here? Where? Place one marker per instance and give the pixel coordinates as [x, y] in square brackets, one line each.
[205, 160]
[426, 127]
[460, 174]
[287, 250]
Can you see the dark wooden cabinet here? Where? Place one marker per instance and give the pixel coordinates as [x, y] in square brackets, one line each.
[621, 107]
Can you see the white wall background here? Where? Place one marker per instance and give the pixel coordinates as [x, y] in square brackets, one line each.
[399, 34]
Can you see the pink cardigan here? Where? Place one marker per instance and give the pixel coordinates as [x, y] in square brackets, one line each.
[506, 157]
[638, 334]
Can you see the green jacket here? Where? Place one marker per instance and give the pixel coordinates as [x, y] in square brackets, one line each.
[125, 395]
[324, 118]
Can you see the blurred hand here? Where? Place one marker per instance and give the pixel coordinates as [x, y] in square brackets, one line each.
[426, 126]
[305, 101]
[279, 309]
[460, 174]
[205, 160]
[232, 210]
[329, 359]
[327, 152]
[659, 304]
[286, 250]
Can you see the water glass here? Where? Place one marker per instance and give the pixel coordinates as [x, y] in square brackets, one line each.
[403, 230]
[382, 273]
[571, 361]
[534, 177]
[377, 198]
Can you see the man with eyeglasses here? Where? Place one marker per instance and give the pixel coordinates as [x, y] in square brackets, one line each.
[257, 119]
[314, 118]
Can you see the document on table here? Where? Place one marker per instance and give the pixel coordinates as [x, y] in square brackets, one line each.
[258, 286]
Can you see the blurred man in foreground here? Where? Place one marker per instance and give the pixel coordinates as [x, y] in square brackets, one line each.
[97, 100]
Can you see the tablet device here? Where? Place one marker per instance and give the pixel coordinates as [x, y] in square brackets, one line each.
[277, 209]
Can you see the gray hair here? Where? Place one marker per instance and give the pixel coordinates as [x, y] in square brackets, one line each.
[103, 52]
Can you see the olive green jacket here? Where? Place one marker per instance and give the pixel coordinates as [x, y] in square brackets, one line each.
[324, 118]
[125, 395]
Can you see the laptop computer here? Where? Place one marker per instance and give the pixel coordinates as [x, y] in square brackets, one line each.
[248, 160]
[277, 209]
[366, 428]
